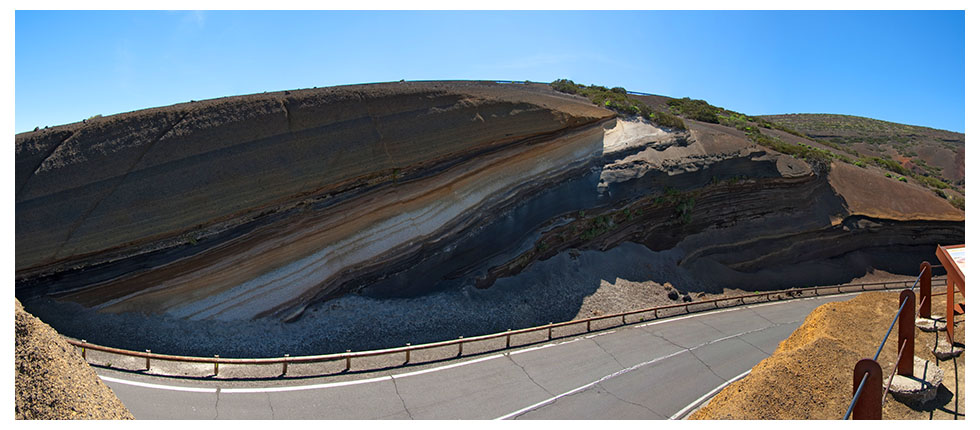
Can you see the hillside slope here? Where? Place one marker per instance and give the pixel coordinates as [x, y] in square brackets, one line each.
[926, 151]
[52, 381]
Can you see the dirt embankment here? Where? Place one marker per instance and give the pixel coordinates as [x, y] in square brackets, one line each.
[810, 375]
[52, 380]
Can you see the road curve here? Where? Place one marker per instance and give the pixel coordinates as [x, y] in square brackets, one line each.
[652, 370]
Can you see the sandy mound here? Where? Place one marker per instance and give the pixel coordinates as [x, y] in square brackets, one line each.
[53, 381]
[809, 375]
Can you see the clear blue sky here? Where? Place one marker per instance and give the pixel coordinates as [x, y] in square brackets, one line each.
[905, 67]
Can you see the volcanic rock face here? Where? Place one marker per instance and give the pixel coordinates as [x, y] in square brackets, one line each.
[259, 206]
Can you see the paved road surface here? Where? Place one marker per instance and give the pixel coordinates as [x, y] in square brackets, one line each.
[652, 370]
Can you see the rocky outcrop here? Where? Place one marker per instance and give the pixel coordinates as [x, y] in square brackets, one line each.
[259, 207]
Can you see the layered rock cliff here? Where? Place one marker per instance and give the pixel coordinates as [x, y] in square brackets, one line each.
[258, 207]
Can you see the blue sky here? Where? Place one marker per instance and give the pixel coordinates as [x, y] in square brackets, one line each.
[906, 67]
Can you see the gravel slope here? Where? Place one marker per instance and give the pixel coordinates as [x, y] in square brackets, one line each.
[52, 380]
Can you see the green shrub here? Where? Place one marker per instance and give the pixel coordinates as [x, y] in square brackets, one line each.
[958, 202]
[695, 109]
[903, 179]
[617, 100]
[665, 119]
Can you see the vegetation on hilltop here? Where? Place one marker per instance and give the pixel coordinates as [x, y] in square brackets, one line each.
[618, 100]
[932, 155]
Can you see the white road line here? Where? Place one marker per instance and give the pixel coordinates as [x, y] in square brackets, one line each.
[450, 366]
[160, 387]
[600, 334]
[685, 410]
[302, 387]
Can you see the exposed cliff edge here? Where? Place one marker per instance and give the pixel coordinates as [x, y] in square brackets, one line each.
[265, 208]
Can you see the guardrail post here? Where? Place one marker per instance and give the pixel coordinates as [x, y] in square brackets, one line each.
[550, 324]
[348, 362]
[508, 338]
[588, 326]
[460, 353]
[868, 406]
[408, 353]
[906, 333]
[624, 319]
[216, 356]
[83, 350]
[148, 361]
[285, 363]
[925, 290]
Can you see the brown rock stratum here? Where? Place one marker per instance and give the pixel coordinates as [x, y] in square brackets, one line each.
[52, 381]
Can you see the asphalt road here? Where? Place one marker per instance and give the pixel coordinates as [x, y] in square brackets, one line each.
[653, 370]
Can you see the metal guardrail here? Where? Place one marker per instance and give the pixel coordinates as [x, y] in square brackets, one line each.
[868, 399]
[459, 342]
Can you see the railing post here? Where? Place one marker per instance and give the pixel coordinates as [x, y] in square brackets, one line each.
[508, 338]
[285, 364]
[408, 353]
[868, 406]
[624, 319]
[588, 326]
[906, 333]
[950, 307]
[550, 326]
[460, 353]
[216, 365]
[148, 361]
[348, 361]
[83, 350]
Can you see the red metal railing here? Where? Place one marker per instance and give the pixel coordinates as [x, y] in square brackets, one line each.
[635, 316]
[867, 386]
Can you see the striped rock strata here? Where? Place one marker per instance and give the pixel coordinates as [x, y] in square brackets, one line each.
[259, 206]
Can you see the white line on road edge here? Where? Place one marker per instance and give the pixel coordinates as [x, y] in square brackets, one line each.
[600, 334]
[302, 387]
[687, 409]
[450, 366]
[161, 387]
